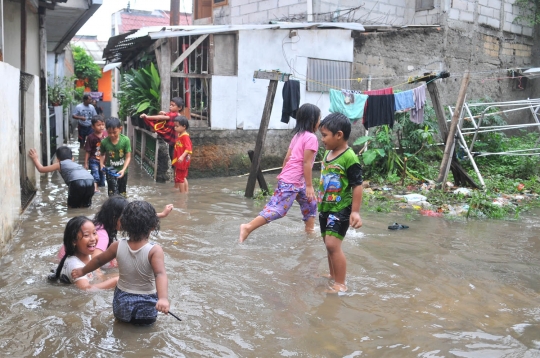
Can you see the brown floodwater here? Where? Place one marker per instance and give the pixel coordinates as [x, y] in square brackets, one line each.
[442, 288]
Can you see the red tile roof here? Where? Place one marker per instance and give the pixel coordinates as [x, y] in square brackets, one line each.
[137, 19]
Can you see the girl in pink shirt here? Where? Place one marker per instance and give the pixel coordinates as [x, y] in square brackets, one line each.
[294, 181]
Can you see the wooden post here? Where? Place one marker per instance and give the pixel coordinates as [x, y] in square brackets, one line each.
[175, 13]
[450, 141]
[274, 78]
[439, 110]
[261, 137]
[165, 75]
[260, 176]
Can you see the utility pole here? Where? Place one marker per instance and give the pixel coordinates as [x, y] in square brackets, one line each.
[175, 13]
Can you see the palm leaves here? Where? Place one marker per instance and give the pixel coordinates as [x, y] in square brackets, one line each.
[140, 91]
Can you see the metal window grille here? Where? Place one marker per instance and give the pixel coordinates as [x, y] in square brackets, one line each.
[325, 74]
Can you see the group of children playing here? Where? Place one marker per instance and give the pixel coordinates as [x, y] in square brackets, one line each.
[108, 154]
[141, 287]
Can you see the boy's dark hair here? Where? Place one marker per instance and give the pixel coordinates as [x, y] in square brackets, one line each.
[183, 121]
[63, 153]
[113, 122]
[108, 215]
[138, 220]
[98, 118]
[336, 122]
[85, 97]
[179, 101]
[71, 235]
[307, 117]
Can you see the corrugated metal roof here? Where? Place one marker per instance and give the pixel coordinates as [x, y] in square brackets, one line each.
[123, 48]
[158, 32]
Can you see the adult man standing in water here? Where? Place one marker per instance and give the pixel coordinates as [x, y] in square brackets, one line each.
[84, 113]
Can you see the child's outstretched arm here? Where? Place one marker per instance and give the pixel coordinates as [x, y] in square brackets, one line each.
[97, 261]
[158, 117]
[308, 167]
[357, 194]
[168, 208]
[86, 286]
[157, 260]
[32, 153]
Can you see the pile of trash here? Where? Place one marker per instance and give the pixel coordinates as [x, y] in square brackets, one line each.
[417, 201]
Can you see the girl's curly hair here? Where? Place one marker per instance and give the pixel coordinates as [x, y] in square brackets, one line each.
[138, 220]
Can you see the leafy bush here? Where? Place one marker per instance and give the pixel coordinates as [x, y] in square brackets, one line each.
[140, 92]
[85, 68]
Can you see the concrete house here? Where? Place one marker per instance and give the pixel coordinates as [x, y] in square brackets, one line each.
[344, 44]
[29, 31]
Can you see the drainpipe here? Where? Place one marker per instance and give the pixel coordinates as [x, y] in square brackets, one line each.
[309, 10]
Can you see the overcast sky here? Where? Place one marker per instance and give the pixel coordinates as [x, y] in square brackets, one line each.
[100, 23]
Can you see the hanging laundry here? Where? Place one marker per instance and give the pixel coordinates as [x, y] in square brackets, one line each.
[388, 90]
[291, 100]
[417, 112]
[380, 109]
[349, 95]
[353, 110]
[404, 100]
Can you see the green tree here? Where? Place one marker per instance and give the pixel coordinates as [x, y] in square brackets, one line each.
[85, 68]
[529, 12]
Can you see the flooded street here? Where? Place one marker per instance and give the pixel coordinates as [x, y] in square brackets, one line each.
[442, 288]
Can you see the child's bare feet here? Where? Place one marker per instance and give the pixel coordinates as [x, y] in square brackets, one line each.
[244, 232]
[336, 288]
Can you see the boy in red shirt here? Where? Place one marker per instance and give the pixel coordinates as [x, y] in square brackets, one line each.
[163, 123]
[182, 153]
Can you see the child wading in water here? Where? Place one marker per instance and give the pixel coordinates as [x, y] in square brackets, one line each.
[294, 181]
[182, 154]
[163, 123]
[340, 194]
[115, 152]
[80, 239]
[91, 146]
[142, 287]
[79, 181]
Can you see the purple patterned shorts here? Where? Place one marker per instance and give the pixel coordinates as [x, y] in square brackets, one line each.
[282, 200]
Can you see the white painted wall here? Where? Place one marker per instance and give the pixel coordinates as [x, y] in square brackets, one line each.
[10, 200]
[223, 106]
[262, 49]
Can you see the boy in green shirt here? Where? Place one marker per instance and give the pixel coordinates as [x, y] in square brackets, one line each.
[340, 194]
[116, 153]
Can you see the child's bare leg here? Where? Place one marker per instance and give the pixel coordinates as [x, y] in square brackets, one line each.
[186, 186]
[337, 263]
[246, 229]
[95, 187]
[310, 225]
[182, 187]
[177, 185]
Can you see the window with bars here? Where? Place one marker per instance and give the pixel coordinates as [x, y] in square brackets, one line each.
[325, 74]
[424, 5]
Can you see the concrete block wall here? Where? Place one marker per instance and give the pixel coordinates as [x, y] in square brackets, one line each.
[391, 12]
[496, 14]
[391, 57]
